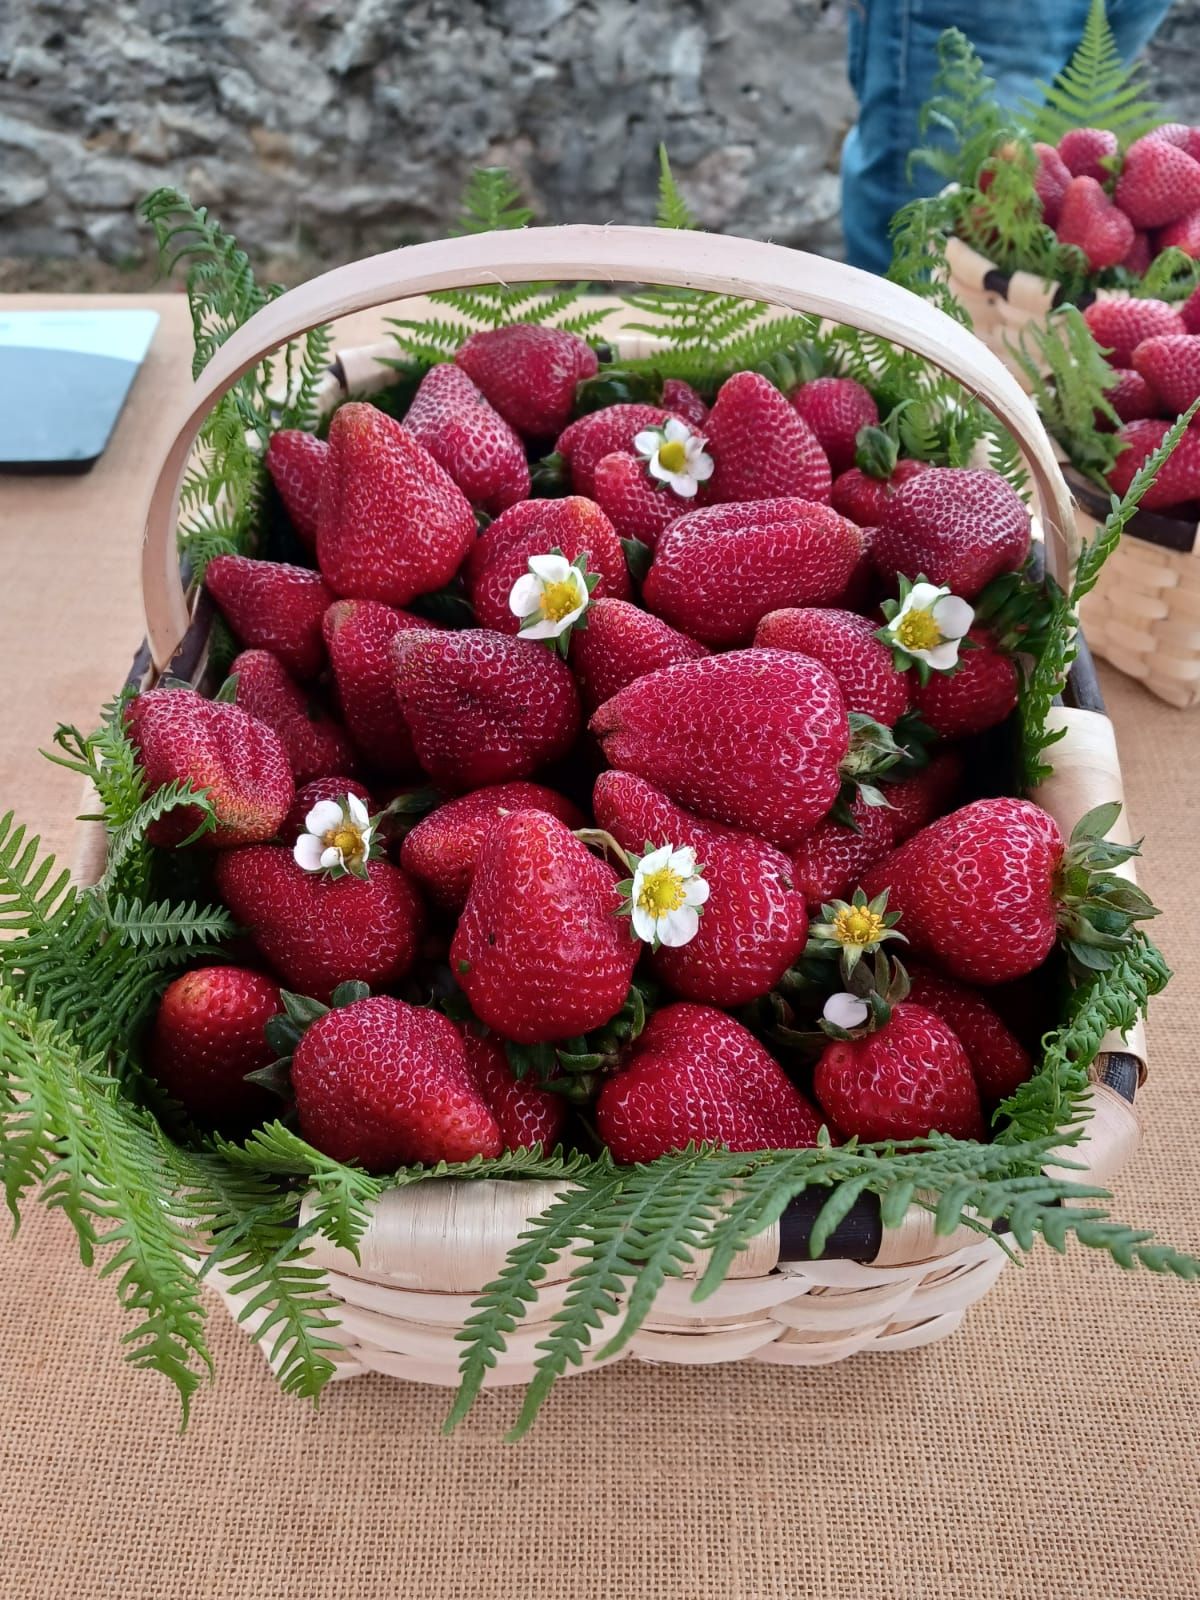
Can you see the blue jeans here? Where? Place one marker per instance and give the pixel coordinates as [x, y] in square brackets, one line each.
[893, 58]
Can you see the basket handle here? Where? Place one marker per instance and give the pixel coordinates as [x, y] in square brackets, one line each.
[744, 267]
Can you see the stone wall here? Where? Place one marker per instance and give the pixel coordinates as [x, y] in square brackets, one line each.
[328, 130]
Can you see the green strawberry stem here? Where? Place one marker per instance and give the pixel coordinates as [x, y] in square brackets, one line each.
[1097, 907]
[574, 1068]
[873, 751]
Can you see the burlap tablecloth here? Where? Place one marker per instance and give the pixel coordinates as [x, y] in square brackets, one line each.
[1048, 1449]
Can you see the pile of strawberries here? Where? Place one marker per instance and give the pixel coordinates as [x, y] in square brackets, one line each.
[626, 859]
[1154, 350]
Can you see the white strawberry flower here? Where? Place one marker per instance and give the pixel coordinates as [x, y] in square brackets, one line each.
[337, 837]
[846, 1011]
[551, 597]
[675, 456]
[930, 625]
[666, 895]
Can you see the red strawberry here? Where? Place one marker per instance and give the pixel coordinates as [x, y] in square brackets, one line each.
[317, 931]
[1130, 396]
[909, 1078]
[754, 738]
[835, 409]
[1050, 181]
[1189, 312]
[386, 1084]
[863, 591]
[529, 374]
[482, 707]
[296, 462]
[829, 861]
[393, 523]
[540, 951]
[273, 606]
[1159, 183]
[573, 525]
[1138, 257]
[239, 760]
[1170, 364]
[620, 644]
[637, 507]
[927, 794]
[1178, 478]
[1182, 235]
[525, 1114]
[358, 636]
[957, 526]
[1121, 325]
[441, 852]
[863, 498]
[999, 1060]
[683, 400]
[592, 437]
[981, 693]
[977, 889]
[1090, 220]
[697, 1076]
[720, 569]
[470, 439]
[754, 924]
[1084, 149]
[846, 643]
[335, 787]
[208, 1034]
[761, 447]
[315, 745]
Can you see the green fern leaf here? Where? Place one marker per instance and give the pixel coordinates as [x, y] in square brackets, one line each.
[1096, 89]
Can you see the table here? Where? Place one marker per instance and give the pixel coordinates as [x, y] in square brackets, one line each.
[1048, 1449]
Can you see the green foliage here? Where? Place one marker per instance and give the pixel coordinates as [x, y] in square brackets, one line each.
[1068, 378]
[673, 209]
[961, 109]
[1096, 89]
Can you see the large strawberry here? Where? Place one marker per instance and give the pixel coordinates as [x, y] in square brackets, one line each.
[861, 494]
[469, 437]
[359, 635]
[529, 374]
[835, 409]
[597, 434]
[482, 707]
[980, 693]
[442, 851]
[296, 462]
[620, 644]
[207, 1036]
[957, 526]
[384, 1084]
[1177, 480]
[754, 924]
[1170, 364]
[1085, 151]
[1159, 183]
[316, 746]
[829, 862]
[540, 951]
[573, 526]
[525, 1114]
[697, 1076]
[1119, 326]
[273, 606]
[316, 930]
[1089, 219]
[393, 523]
[999, 1060]
[718, 570]
[637, 506]
[986, 890]
[239, 760]
[762, 447]
[846, 643]
[754, 738]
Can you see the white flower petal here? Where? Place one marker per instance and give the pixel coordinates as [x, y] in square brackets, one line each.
[359, 814]
[647, 442]
[676, 432]
[942, 657]
[324, 816]
[550, 568]
[657, 470]
[922, 597]
[307, 851]
[652, 862]
[845, 1010]
[541, 628]
[525, 596]
[683, 861]
[643, 923]
[332, 857]
[678, 927]
[684, 485]
[695, 892]
[701, 467]
[366, 836]
[953, 616]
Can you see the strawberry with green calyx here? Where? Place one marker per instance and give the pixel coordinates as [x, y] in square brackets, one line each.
[960, 526]
[208, 1043]
[551, 600]
[585, 443]
[573, 1069]
[285, 1028]
[854, 928]
[872, 753]
[893, 1070]
[837, 410]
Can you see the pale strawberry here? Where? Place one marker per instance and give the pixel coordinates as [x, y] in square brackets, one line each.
[999, 1060]
[469, 438]
[207, 1036]
[1084, 150]
[1170, 364]
[359, 635]
[863, 498]
[1119, 326]
[573, 526]
[719, 570]
[979, 694]
[762, 448]
[957, 526]
[525, 1114]
[846, 643]
[592, 437]
[270, 605]
[1089, 219]
[835, 409]
[316, 746]
[680, 398]
[529, 374]
[1159, 183]
[829, 862]
[296, 462]
[637, 506]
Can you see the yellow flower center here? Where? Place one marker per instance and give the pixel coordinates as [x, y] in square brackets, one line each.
[918, 630]
[673, 455]
[346, 838]
[559, 599]
[858, 925]
[661, 891]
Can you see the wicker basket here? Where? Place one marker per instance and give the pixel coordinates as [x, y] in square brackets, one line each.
[431, 1247]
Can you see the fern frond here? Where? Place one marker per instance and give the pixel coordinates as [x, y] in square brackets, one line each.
[491, 201]
[1096, 89]
[673, 209]
[1069, 378]
[141, 923]
[962, 113]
